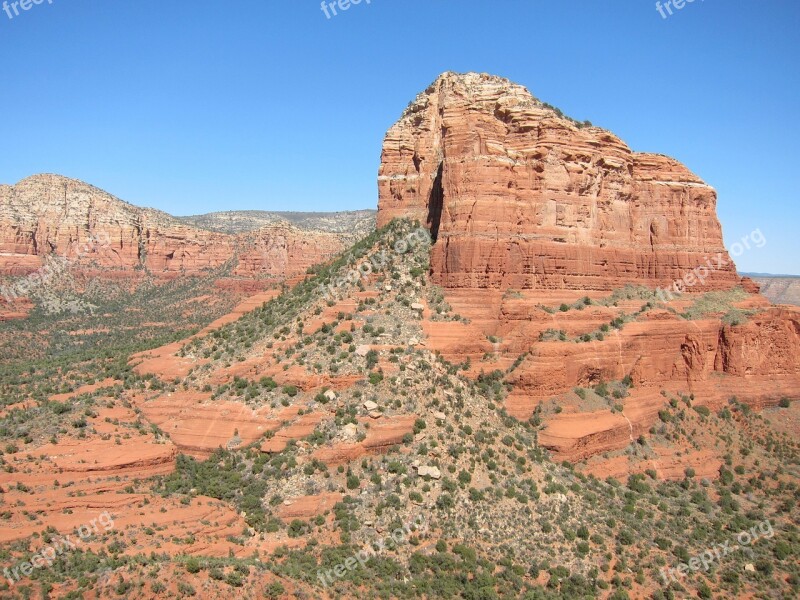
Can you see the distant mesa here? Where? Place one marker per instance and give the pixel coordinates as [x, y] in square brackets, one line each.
[779, 289]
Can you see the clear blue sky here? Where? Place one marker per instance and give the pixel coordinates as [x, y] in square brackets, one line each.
[199, 106]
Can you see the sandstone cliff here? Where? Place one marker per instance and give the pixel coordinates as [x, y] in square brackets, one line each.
[519, 196]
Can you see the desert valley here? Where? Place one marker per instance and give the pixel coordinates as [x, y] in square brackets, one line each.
[480, 390]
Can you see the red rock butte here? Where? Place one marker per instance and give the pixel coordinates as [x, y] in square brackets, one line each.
[519, 196]
[529, 209]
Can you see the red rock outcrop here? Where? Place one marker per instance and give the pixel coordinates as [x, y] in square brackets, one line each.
[307, 507]
[379, 439]
[519, 196]
[528, 210]
[51, 215]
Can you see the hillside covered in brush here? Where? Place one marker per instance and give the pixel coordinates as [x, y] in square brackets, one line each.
[273, 445]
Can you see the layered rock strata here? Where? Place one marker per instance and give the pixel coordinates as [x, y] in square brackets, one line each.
[519, 196]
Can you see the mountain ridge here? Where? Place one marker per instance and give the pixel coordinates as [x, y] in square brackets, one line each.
[353, 222]
[51, 214]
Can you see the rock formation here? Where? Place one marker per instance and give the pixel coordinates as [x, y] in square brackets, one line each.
[519, 196]
[536, 218]
[48, 215]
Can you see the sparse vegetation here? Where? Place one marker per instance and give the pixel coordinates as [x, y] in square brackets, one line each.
[410, 434]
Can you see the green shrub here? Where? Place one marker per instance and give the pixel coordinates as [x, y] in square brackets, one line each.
[274, 590]
[703, 411]
[782, 550]
[193, 565]
[185, 589]
[297, 528]
[234, 579]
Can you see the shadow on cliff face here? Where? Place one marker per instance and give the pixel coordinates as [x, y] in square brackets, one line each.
[435, 204]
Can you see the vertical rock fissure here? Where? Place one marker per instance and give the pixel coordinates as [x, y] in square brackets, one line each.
[435, 204]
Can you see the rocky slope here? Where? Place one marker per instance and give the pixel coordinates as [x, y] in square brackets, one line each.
[323, 423]
[48, 215]
[519, 196]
